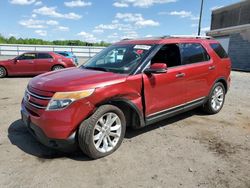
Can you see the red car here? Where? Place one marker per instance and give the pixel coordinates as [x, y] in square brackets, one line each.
[131, 83]
[34, 63]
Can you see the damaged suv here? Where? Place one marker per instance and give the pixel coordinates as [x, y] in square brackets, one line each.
[131, 83]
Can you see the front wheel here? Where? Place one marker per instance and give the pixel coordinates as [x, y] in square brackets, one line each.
[216, 99]
[3, 72]
[102, 133]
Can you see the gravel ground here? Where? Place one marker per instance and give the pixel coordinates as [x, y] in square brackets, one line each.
[189, 150]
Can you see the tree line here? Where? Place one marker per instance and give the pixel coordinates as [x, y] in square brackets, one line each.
[14, 40]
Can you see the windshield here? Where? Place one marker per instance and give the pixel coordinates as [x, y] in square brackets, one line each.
[118, 58]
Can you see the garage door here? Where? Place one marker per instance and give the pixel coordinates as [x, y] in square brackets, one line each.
[224, 42]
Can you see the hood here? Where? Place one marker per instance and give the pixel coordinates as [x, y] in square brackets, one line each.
[5, 61]
[74, 79]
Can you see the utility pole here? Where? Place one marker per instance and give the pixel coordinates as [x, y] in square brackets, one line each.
[199, 27]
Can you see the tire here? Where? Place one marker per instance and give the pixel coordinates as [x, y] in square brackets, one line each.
[57, 67]
[3, 72]
[216, 99]
[98, 126]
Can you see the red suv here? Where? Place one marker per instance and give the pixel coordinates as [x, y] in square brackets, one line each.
[131, 83]
[34, 63]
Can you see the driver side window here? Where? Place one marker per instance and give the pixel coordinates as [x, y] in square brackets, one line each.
[27, 56]
[168, 54]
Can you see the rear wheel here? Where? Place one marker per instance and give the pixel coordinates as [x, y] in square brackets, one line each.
[3, 72]
[216, 99]
[57, 67]
[102, 133]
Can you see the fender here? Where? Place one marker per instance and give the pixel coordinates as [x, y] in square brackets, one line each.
[224, 82]
[133, 107]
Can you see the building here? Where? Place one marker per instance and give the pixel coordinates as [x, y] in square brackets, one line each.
[231, 26]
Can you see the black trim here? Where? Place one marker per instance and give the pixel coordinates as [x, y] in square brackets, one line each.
[220, 79]
[174, 111]
[154, 71]
[133, 106]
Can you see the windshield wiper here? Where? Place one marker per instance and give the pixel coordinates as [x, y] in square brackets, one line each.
[97, 68]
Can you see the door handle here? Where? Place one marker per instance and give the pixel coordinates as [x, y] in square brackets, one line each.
[180, 75]
[211, 67]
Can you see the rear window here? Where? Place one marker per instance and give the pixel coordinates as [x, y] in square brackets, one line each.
[193, 53]
[63, 54]
[219, 50]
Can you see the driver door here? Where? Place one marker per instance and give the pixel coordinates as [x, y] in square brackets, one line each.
[24, 64]
[164, 92]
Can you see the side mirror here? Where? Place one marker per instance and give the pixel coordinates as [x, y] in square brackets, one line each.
[156, 68]
[16, 60]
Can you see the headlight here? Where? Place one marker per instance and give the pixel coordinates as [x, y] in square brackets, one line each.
[62, 100]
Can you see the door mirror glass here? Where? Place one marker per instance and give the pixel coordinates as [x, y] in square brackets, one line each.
[156, 68]
[16, 60]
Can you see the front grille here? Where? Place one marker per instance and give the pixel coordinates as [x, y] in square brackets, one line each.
[35, 105]
[38, 96]
[37, 99]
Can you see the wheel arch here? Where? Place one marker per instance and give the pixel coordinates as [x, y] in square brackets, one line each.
[223, 81]
[134, 117]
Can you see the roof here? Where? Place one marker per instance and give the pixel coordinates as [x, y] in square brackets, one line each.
[229, 7]
[228, 30]
[49, 52]
[166, 39]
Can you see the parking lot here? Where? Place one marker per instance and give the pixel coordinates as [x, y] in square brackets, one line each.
[189, 150]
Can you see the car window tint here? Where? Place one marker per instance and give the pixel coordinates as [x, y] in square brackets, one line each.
[27, 56]
[43, 56]
[219, 50]
[63, 54]
[168, 54]
[193, 53]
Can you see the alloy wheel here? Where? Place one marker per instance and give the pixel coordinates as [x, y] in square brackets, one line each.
[57, 68]
[217, 98]
[2, 72]
[107, 132]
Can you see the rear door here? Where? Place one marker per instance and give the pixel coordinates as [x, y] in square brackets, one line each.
[24, 64]
[43, 62]
[198, 69]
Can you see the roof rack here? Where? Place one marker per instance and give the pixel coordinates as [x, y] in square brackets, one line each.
[172, 36]
[190, 36]
[145, 38]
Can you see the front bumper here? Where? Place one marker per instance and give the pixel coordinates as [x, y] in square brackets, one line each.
[68, 144]
[56, 129]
